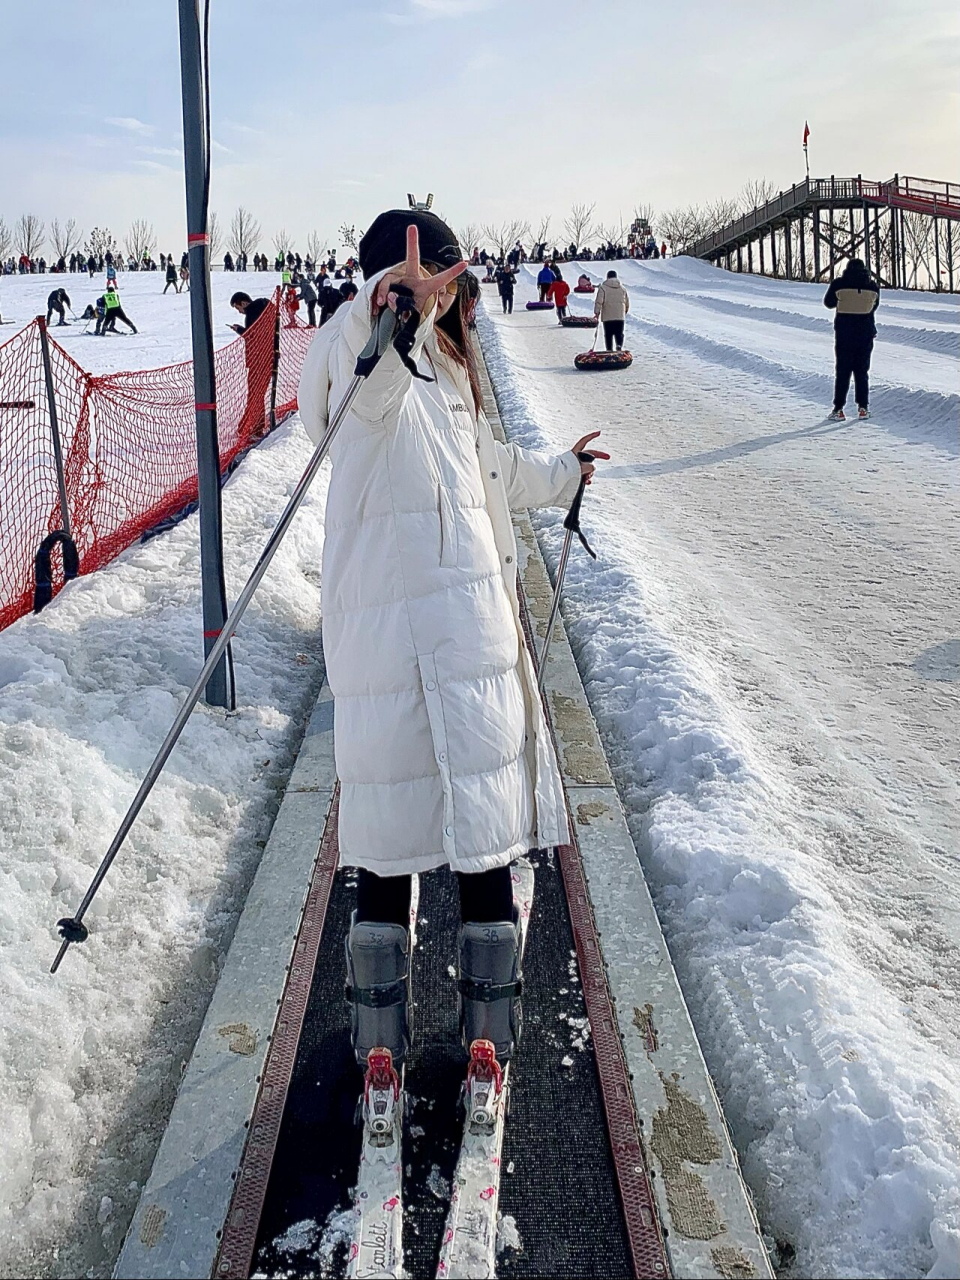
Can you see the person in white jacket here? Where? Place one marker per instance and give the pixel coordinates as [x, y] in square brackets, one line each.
[442, 751]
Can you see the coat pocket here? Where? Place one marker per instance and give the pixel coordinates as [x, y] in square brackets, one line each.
[449, 535]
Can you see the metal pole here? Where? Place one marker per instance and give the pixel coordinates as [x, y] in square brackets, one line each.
[220, 691]
[54, 426]
[554, 608]
[72, 928]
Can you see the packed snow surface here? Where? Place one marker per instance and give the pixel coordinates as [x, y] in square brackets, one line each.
[90, 1059]
[769, 642]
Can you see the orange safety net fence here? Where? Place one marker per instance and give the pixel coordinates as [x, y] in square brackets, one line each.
[128, 442]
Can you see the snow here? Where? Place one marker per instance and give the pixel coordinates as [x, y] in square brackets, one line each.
[162, 320]
[90, 1059]
[769, 645]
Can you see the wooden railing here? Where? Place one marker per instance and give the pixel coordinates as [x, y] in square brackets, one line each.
[920, 195]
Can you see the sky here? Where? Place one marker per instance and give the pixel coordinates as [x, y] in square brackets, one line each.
[330, 112]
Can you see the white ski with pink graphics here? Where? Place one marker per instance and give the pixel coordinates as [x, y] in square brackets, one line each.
[376, 1250]
[469, 1247]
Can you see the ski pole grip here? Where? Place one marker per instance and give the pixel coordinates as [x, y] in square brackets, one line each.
[572, 520]
[380, 338]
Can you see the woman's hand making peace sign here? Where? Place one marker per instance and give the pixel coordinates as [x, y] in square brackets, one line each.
[424, 286]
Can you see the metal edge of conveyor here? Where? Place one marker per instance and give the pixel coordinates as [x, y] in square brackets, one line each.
[176, 1228]
[704, 1205]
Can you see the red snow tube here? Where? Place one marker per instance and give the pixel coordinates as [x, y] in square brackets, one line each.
[600, 360]
[584, 288]
[539, 306]
[578, 322]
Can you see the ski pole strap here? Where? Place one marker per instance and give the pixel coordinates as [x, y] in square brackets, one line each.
[488, 992]
[43, 566]
[380, 338]
[572, 521]
[408, 321]
[381, 997]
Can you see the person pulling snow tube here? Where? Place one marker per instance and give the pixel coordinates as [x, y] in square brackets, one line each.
[578, 322]
[539, 306]
[603, 360]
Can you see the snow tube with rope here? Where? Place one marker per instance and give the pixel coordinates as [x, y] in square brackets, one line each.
[539, 306]
[584, 288]
[578, 322]
[603, 360]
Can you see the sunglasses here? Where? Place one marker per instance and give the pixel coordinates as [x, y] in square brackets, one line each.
[453, 286]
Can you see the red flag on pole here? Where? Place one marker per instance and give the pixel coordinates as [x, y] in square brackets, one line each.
[806, 132]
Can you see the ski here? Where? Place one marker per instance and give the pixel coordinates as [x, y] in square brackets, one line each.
[469, 1247]
[376, 1249]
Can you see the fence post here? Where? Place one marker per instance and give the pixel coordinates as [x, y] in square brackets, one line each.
[276, 363]
[54, 425]
[220, 690]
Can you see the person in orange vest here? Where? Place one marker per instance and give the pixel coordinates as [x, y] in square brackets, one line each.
[558, 293]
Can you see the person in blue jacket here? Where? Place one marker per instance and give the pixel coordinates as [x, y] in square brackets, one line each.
[544, 280]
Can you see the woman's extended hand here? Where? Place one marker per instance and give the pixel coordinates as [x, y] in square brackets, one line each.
[425, 287]
[587, 468]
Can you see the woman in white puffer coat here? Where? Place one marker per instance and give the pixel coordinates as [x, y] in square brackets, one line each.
[442, 751]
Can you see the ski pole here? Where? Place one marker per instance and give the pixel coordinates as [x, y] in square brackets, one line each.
[572, 526]
[72, 928]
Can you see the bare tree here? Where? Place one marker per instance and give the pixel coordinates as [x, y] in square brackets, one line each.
[720, 213]
[755, 193]
[99, 242]
[140, 239]
[682, 227]
[6, 240]
[66, 237]
[578, 225]
[214, 235]
[245, 233]
[28, 234]
[469, 237]
[542, 231]
[283, 242]
[351, 237]
[315, 247]
[504, 235]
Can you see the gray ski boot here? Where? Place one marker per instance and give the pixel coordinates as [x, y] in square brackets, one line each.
[490, 985]
[378, 988]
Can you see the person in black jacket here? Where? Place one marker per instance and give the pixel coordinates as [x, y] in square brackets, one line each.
[258, 358]
[506, 283]
[308, 294]
[855, 295]
[58, 301]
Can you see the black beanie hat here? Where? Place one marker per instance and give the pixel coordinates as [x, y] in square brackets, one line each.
[385, 244]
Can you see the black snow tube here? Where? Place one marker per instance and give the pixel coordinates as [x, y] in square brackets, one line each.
[578, 322]
[539, 306]
[601, 360]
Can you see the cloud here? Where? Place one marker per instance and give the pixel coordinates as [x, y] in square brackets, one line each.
[129, 122]
[162, 151]
[218, 146]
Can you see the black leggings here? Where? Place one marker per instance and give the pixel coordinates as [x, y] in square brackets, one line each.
[485, 897]
[613, 333]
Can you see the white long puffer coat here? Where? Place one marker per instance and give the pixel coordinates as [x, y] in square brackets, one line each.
[442, 750]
